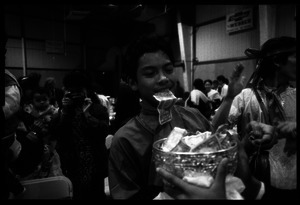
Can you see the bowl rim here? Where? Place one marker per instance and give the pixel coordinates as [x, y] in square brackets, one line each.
[155, 147]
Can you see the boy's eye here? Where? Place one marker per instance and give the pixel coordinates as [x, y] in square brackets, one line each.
[149, 72]
[169, 69]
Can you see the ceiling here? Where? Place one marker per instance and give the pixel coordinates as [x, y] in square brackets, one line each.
[104, 14]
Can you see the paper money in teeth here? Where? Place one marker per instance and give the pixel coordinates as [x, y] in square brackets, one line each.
[164, 95]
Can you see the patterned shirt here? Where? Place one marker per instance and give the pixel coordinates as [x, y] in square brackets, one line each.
[246, 108]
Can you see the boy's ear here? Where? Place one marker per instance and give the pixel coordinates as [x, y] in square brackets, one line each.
[133, 85]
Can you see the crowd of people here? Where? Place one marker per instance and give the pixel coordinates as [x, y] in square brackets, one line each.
[51, 131]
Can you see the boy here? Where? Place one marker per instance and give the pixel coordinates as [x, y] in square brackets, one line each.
[150, 71]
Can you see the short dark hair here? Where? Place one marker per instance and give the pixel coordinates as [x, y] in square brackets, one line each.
[145, 44]
[221, 78]
[198, 84]
[40, 90]
[208, 80]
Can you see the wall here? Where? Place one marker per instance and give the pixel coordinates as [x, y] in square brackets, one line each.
[286, 20]
[218, 52]
[35, 32]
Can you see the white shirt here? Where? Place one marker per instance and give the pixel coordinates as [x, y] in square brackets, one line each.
[214, 95]
[196, 95]
[224, 90]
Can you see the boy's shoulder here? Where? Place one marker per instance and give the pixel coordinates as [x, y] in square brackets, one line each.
[183, 109]
[128, 129]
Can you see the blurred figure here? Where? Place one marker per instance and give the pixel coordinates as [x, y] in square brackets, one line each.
[55, 94]
[28, 84]
[212, 94]
[33, 131]
[215, 85]
[223, 87]
[81, 128]
[199, 100]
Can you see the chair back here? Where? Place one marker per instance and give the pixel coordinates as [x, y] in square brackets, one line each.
[58, 187]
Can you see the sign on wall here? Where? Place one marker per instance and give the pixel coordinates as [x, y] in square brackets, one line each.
[239, 21]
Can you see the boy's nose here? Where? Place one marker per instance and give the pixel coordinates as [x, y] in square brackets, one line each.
[163, 79]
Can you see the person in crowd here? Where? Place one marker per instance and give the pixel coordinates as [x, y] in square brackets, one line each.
[149, 66]
[215, 85]
[212, 94]
[28, 83]
[199, 100]
[223, 87]
[56, 94]
[268, 99]
[81, 127]
[33, 131]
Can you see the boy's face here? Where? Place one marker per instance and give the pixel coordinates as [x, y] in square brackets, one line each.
[155, 73]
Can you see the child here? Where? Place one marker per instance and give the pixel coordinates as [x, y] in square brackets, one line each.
[150, 70]
[33, 133]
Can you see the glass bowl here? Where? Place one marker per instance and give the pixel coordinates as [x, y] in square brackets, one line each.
[181, 163]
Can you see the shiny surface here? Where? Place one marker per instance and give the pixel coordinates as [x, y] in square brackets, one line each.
[180, 163]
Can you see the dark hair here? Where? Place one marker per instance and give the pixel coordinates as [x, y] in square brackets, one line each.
[198, 84]
[274, 50]
[208, 80]
[145, 44]
[221, 78]
[40, 90]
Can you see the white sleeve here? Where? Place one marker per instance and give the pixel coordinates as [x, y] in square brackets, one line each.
[12, 101]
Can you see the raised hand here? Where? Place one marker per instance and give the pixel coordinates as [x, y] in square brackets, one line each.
[236, 83]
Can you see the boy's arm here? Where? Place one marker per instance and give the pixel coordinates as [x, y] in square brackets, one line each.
[234, 88]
